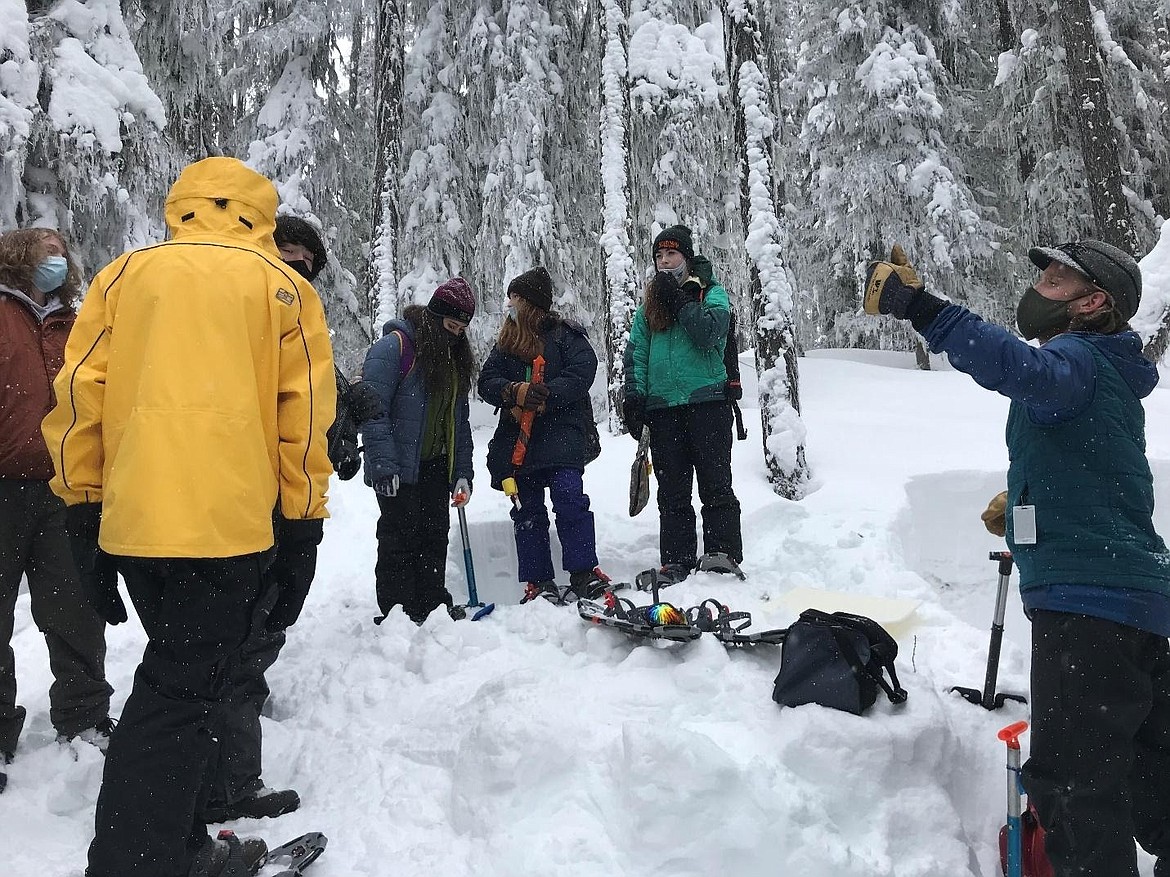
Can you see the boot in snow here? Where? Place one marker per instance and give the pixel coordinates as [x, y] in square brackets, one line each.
[5, 759]
[229, 856]
[719, 562]
[261, 803]
[586, 584]
[548, 590]
[667, 574]
[98, 735]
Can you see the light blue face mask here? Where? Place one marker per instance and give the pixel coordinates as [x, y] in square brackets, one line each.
[50, 274]
[679, 271]
[510, 311]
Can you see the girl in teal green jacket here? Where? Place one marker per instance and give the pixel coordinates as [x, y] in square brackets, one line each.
[676, 385]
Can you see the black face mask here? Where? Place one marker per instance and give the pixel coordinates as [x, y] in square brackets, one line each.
[1040, 317]
[302, 268]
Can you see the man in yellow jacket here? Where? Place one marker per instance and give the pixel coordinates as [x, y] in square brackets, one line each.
[194, 400]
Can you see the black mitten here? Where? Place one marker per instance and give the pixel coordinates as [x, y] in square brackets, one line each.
[668, 291]
[634, 413]
[95, 568]
[293, 568]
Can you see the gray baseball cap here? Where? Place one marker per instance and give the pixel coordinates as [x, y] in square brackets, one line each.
[1114, 270]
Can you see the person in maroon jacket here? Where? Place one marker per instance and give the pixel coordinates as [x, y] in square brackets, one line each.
[39, 285]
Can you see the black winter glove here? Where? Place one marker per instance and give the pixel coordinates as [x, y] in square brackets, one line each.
[293, 568]
[364, 403]
[95, 568]
[634, 413]
[701, 268]
[671, 294]
[349, 461]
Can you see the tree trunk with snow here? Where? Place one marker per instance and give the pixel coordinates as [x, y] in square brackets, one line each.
[1098, 137]
[771, 292]
[620, 288]
[383, 268]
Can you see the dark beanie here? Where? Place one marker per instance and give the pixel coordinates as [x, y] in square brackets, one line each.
[535, 287]
[453, 299]
[294, 230]
[677, 237]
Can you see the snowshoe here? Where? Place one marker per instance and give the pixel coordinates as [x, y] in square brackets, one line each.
[296, 855]
[589, 585]
[228, 856]
[666, 575]
[656, 621]
[718, 562]
[729, 627]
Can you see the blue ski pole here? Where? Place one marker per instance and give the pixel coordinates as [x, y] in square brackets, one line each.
[469, 568]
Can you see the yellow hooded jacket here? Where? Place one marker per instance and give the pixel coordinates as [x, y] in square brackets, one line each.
[198, 381]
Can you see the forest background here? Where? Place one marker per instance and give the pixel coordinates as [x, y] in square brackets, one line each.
[799, 140]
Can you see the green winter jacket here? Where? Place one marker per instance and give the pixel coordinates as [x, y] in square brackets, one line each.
[682, 365]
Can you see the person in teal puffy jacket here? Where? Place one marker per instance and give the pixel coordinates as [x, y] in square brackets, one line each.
[1094, 573]
[677, 385]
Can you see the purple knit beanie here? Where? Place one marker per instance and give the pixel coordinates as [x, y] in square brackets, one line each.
[453, 299]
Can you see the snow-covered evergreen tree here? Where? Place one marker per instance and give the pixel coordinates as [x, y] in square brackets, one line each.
[438, 208]
[85, 154]
[680, 133]
[20, 75]
[518, 226]
[772, 296]
[617, 223]
[877, 166]
[385, 258]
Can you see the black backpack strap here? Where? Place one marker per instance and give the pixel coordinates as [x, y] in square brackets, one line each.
[896, 694]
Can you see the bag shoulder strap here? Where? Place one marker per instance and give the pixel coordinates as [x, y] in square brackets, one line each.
[837, 626]
[406, 356]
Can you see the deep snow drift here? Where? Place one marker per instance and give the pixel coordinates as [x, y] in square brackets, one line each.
[531, 743]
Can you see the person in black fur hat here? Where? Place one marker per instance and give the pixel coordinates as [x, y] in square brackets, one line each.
[300, 246]
[238, 791]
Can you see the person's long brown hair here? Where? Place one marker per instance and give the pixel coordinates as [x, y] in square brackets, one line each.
[521, 337]
[20, 253]
[658, 318]
[435, 355]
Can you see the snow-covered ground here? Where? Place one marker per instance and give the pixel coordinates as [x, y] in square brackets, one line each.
[531, 743]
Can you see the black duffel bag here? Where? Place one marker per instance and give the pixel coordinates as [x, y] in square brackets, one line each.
[837, 660]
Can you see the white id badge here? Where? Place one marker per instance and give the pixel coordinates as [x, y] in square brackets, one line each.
[1024, 524]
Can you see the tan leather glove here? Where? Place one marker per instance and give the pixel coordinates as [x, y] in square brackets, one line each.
[876, 277]
[994, 517]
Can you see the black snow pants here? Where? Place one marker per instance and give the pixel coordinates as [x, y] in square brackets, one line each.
[33, 542]
[412, 544]
[200, 616]
[688, 443]
[1099, 771]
